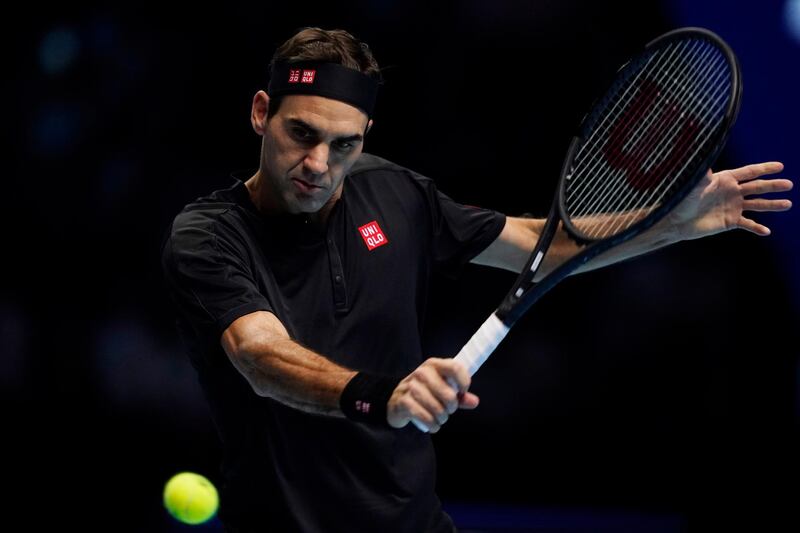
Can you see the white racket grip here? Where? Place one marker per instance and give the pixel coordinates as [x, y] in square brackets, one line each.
[477, 350]
[482, 344]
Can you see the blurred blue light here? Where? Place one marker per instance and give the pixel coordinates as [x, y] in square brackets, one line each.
[58, 51]
[792, 18]
[116, 173]
[14, 338]
[507, 518]
[135, 371]
[766, 129]
[56, 129]
[102, 36]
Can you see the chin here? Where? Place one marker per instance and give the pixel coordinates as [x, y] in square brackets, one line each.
[300, 207]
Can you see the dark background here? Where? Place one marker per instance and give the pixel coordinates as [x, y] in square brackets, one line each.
[655, 395]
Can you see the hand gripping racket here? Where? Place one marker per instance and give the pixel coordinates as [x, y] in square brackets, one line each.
[638, 152]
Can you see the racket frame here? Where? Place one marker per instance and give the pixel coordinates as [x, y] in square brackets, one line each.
[525, 291]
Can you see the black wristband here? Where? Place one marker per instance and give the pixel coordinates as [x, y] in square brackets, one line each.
[365, 397]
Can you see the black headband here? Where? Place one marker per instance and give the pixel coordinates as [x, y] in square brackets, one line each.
[330, 80]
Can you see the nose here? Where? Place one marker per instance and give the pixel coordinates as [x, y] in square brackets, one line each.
[316, 160]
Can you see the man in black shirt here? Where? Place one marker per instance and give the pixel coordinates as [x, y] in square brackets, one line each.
[300, 293]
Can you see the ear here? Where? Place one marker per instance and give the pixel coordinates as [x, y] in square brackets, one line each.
[369, 127]
[258, 113]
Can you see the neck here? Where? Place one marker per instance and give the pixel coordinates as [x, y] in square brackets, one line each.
[267, 205]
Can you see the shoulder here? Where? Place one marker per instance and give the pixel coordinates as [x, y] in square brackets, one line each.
[207, 211]
[369, 163]
[203, 222]
[371, 171]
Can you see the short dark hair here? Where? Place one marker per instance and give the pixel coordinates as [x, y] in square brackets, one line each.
[334, 46]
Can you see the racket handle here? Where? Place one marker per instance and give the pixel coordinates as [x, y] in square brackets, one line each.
[482, 344]
[477, 350]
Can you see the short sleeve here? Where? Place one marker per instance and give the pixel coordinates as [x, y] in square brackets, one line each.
[209, 277]
[460, 232]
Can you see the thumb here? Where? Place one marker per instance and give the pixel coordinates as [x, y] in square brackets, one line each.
[468, 400]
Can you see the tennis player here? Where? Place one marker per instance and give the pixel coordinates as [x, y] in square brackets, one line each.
[300, 292]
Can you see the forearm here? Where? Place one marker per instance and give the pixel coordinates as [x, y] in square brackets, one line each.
[563, 248]
[282, 369]
[516, 242]
[278, 367]
[717, 203]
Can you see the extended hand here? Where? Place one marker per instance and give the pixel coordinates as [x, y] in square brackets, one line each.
[427, 397]
[719, 200]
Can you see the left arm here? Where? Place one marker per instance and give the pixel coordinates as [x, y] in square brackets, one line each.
[715, 205]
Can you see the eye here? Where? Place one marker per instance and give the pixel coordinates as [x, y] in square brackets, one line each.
[301, 134]
[343, 146]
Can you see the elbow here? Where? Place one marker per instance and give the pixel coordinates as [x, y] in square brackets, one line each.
[248, 358]
[253, 343]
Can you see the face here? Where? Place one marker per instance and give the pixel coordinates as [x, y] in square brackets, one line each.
[308, 147]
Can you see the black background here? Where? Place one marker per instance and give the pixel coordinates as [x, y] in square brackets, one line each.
[662, 385]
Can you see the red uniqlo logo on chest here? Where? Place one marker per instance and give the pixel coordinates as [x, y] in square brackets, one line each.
[372, 235]
[308, 76]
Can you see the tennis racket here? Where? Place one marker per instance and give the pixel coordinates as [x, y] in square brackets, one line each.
[639, 151]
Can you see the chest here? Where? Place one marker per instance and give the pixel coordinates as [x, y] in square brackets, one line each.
[364, 277]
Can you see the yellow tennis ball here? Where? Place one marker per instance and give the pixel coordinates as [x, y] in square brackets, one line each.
[190, 498]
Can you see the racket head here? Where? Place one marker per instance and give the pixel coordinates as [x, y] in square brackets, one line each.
[651, 137]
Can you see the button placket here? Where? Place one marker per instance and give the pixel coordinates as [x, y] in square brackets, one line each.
[337, 276]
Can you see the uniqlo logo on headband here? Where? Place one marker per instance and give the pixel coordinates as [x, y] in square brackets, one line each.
[373, 235]
[308, 76]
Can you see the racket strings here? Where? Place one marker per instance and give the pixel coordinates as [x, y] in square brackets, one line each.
[661, 191]
[678, 139]
[636, 157]
[635, 161]
[642, 146]
[594, 143]
[598, 140]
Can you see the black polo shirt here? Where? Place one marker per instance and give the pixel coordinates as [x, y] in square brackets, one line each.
[355, 292]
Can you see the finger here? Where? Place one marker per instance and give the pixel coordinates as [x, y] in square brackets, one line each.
[428, 400]
[423, 419]
[406, 409]
[426, 428]
[762, 204]
[454, 372]
[468, 401]
[441, 378]
[462, 377]
[448, 397]
[750, 172]
[765, 186]
[753, 227]
[420, 426]
[441, 386]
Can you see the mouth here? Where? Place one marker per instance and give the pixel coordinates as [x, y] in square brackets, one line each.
[305, 186]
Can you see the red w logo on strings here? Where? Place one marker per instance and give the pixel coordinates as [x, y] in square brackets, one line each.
[633, 144]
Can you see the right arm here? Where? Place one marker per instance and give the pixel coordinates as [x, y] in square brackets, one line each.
[278, 367]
